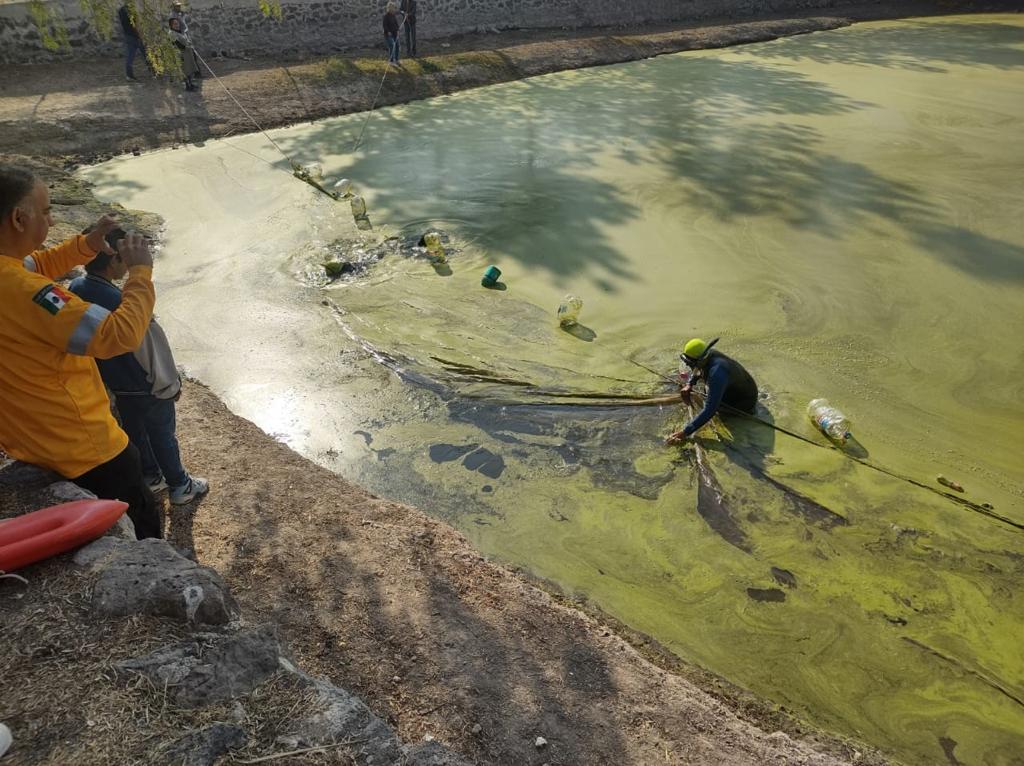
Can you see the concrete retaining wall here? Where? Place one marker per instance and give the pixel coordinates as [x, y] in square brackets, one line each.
[235, 27]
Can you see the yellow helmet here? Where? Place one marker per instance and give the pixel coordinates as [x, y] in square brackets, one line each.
[696, 350]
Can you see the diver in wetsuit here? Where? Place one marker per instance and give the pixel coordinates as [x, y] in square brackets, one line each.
[726, 380]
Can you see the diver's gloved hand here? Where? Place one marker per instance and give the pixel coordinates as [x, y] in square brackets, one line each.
[677, 438]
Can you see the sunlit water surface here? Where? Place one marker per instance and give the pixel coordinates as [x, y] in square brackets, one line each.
[843, 208]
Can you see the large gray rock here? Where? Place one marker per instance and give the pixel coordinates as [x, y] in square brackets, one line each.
[202, 747]
[434, 754]
[210, 667]
[14, 473]
[151, 577]
[337, 716]
[68, 491]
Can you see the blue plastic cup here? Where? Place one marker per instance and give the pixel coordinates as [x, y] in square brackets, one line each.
[491, 276]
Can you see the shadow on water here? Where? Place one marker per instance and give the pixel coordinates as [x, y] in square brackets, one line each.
[539, 194]
[920, 46]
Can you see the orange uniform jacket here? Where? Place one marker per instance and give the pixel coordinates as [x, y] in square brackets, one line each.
[54, 410]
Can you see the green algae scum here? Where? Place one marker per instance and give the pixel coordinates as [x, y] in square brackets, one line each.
[843, 208]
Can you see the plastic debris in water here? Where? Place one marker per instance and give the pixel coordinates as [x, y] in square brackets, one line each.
[833, 423]
[569, 310]
[491, 276]
[314, 170]
[953, 485]
[343, 187]
[358, 207]
[432, 241]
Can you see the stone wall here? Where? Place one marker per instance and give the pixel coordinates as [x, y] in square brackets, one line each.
[237, 27]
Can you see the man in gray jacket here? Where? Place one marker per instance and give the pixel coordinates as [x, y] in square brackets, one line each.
[145, 383]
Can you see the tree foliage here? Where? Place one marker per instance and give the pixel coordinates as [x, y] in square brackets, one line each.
[150, 18]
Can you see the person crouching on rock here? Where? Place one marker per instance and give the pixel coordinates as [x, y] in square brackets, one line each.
[726, 380]
[145, 383]
[189, 65]
[54, 410]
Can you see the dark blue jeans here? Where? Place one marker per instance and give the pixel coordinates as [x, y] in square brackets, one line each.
[410, 36]
[393, 47]
[150, 425]
[132, 45]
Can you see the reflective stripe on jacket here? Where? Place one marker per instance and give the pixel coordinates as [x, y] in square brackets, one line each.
[54, 410]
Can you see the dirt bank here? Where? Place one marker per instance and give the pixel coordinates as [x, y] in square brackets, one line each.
[86, 110]
[381, 600]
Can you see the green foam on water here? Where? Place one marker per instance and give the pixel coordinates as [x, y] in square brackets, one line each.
[842, 208]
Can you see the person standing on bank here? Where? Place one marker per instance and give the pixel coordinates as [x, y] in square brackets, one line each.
[178, 12]
[132, 39]
[145, 383]
[391, 27]
[189, 65]
[409, 11]
[726, 381]
[54, 410]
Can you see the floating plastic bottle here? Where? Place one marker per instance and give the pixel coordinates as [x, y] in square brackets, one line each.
[569, 310]
[358, 207]
[343, 187]
[833, 423]
[314, 171]
[432, 241]
[953, 485]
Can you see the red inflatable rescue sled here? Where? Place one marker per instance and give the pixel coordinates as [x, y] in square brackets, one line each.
[40, 534]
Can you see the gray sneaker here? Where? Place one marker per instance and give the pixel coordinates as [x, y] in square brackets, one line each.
[156, 483]
[195, 487]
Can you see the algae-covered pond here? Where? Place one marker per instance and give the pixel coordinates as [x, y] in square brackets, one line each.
[842, 208]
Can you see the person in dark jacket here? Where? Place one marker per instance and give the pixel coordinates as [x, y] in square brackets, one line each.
[391, 27]
[145, 384]
[409, 11]
[726, 380]
[132, 39]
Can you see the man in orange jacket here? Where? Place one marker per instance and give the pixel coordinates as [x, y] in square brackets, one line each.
[54, 410]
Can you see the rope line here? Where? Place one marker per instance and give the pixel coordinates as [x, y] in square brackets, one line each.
[373, 104]
[244, 110]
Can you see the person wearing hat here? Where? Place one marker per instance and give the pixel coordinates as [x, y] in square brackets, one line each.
[726, 382]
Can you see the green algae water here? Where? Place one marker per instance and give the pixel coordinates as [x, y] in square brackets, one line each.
[842, 208]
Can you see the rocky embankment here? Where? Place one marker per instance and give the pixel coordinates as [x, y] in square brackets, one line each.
[214, 656]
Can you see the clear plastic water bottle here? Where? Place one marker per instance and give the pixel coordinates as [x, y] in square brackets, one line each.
[569, 310]
[314, 171]
[833, 423]
[358, 207]
[432, 241]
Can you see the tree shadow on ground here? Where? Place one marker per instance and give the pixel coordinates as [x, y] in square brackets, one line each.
[439, 662]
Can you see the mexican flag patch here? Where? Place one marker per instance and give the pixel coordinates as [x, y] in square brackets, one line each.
[51, 298]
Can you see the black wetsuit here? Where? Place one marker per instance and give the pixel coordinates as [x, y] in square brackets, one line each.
[727, 383]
